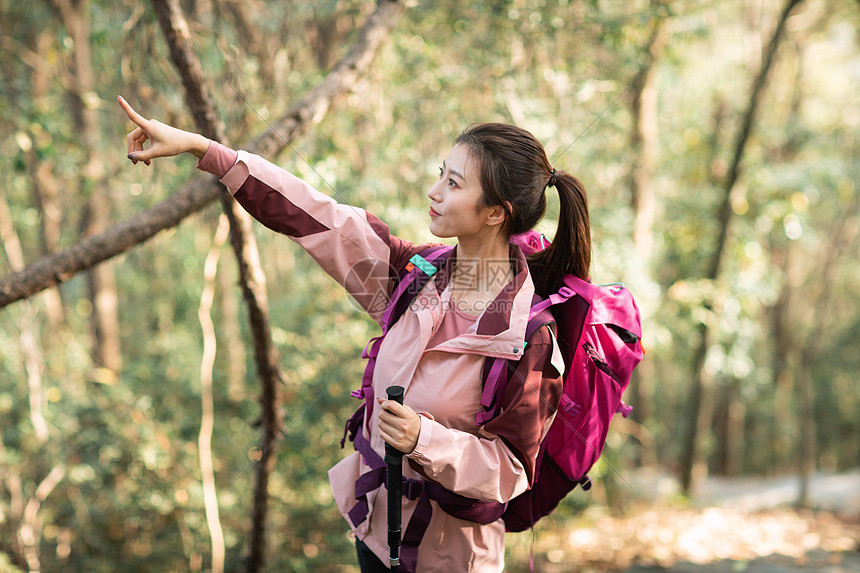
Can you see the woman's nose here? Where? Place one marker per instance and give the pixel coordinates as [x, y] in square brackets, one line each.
[433, 192]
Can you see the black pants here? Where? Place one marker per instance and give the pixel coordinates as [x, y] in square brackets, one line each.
[368, 562]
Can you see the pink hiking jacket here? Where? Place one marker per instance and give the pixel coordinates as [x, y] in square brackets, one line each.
[494, 462]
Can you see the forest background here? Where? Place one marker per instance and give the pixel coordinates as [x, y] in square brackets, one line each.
[170, 399]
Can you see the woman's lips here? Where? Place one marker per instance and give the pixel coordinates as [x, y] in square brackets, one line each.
[433, 213]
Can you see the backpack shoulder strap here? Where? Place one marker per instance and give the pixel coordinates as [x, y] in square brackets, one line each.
[411, 279]
[497, 371]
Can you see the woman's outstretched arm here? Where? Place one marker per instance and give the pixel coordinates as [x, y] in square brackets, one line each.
[165, 140]
[354, 247]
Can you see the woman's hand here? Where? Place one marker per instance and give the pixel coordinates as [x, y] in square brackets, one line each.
[166, 141]
[399, 425]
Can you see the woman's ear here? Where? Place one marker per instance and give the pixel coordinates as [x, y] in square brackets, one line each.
[499, 213]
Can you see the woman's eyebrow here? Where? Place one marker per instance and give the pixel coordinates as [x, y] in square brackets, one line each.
[455, 173]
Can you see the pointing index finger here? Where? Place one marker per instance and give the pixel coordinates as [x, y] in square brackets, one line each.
[129, 111]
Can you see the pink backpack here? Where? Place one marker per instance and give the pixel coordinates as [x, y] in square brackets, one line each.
[598, 331]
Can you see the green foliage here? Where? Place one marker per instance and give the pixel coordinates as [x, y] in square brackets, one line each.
[131, 490]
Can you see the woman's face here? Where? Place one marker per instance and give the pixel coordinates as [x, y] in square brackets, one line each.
[456, 209]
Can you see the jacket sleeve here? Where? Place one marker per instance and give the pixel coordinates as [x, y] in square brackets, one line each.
[351, 245]
[498, 462]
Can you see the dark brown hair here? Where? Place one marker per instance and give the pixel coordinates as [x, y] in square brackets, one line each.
[514, 170]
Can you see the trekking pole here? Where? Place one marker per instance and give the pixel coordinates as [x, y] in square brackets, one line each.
[394, 461]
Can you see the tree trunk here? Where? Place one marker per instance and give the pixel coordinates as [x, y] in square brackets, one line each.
[11, 479]
[252, 278]
[644, 143]
[820, 317]
[30, 529]
[782, 320]
[32, 358]
[700, 399]
[309, 111]
[807, 451]
[729, 425]
[207, 398]
[43, 187]
[44, 193]
[699, 412]
[101, 279]
[254, 40]
[783, 361]
[251, 275]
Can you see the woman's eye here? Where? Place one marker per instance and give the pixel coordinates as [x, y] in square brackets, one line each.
[452, 183]
[441, 173]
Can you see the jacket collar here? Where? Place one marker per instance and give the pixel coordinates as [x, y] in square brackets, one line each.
[501, 328]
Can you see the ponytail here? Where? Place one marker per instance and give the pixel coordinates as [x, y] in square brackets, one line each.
[514, 172]
[570, 251]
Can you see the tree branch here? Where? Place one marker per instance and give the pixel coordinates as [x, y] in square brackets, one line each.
[175, 29]
[207, 401]
[61, 266]
[30, 530]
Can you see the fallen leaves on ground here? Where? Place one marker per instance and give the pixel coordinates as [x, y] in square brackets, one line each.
[663, 535]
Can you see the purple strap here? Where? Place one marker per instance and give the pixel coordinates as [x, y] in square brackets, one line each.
[368, 481]
[496, 379]
[371, 350]
[352, 425]
[366, 391]
[563, 294]
[405, 283]
[415, 533]
[491, 383]
[492, 387]
[624, 409]
[569, 406]
[452, 503]
[363, 486]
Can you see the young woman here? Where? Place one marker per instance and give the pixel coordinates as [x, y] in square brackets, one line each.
[491, 186]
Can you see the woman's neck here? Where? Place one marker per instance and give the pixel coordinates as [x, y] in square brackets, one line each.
[482, 268]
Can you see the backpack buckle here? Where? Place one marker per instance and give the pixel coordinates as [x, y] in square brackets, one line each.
[566, 292]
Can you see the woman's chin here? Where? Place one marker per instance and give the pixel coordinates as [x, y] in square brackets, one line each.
[438, 233]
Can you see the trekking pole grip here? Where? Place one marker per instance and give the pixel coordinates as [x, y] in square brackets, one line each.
[394, 467]
[392, 454]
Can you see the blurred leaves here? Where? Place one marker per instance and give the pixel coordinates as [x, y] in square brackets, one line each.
[132, 491]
